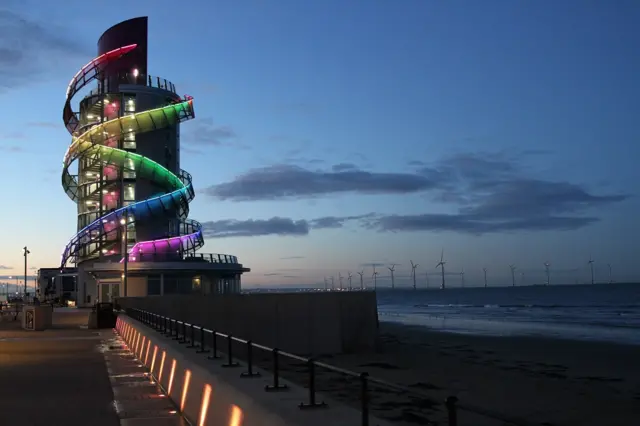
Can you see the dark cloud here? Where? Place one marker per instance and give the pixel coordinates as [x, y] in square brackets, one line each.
[477, 225]
[286, 181]
[30, 50]
[416, 163]
[293, 257]
[333, 222]
[488, 194]
[272, 274]
[343, 167]
[205, 132]
[255, 227]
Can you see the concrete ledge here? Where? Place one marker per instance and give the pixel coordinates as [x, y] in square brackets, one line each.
[211, 395]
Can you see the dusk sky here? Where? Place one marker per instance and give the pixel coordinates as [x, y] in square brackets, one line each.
[333, 135]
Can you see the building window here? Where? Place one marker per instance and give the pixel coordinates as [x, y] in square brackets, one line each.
[129, 192]
[129, 104]
[170, 284]
[129, 140]
[153, 285]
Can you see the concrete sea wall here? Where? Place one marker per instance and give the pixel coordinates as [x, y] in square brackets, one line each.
[209, 394]
[302, 323]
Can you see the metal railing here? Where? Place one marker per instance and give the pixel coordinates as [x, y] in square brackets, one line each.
[197, 337]
[180, 256]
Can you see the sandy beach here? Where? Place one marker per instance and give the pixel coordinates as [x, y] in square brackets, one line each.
[543, 381]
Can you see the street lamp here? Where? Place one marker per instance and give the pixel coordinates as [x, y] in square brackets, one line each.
[123, 222]
[26, 253]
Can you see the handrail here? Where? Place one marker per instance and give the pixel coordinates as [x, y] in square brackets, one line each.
[178, 330]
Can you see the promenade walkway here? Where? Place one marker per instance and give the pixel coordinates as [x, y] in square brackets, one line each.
[68, 376]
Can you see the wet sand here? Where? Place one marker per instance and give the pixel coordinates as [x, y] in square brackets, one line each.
[544, 381]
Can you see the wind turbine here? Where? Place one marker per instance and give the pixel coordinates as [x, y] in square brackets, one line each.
[413, 272]
[375, 278]
[333, 287]
[522, 278]
[326, 286]
[462, 276]
[361, 280]
[610, 277]
[393, 279]
[546, 267]
[485, 277]
[513, 274]
[441, 265]
[427, 276]
[590, 262]
[349, 277]
[340, 280]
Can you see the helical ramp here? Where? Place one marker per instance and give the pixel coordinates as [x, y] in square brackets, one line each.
[97, 143]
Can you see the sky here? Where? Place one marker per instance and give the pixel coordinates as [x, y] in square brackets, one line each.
[333, 136]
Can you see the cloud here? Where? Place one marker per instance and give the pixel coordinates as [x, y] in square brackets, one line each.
[5, 267]
[343, 167]
[293, 257]
[334, 222]
[488, 193]
[286, 181]
[205, 133]
[272, 274]
[29, 49]
[12, 148]
[255, 227]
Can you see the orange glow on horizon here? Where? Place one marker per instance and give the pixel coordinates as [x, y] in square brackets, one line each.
[236, 416]
[173, 371]
[153, 360]
[164, 355]
[185, 388]
[204, 406]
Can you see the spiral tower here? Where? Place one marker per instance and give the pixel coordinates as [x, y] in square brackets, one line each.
[133, 198]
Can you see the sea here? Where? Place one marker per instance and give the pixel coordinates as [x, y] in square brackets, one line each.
[598, 312]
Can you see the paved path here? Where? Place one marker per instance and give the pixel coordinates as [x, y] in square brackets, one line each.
[60, 377]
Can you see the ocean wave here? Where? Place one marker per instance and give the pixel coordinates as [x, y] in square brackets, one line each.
[551, 306]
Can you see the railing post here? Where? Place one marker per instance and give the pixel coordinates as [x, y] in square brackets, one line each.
[250, 372]
[452, 411]
[177, 331]
[230, 362]
[214, 345]
[276, 375]
[192, 343]
[203, 347]
[364, 397]
[312, 388]
[183, 335]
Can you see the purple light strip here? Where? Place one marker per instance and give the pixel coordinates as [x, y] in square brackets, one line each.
[164, 245]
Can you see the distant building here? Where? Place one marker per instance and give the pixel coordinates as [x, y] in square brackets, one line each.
[57, 283]
[134, 237]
